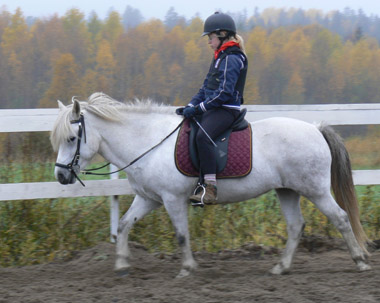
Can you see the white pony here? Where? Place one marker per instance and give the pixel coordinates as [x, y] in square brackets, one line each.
[293, 157]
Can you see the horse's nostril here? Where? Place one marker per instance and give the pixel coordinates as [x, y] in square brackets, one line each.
[62, 179]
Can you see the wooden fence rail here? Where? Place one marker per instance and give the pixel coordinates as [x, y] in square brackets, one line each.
[40, 120]
[37, 120]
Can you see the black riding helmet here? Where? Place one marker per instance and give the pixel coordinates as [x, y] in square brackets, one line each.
[219, 22]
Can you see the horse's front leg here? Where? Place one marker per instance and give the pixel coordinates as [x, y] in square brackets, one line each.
[139, 208]
[177, 209]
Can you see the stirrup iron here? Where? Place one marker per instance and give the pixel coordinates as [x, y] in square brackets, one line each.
[200, 187]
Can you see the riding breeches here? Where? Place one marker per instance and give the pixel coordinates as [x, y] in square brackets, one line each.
[214, 122]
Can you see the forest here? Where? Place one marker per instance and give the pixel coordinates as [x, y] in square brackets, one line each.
[295, 57]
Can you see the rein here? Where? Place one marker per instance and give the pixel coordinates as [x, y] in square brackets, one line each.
[74, 168]
[89, 171]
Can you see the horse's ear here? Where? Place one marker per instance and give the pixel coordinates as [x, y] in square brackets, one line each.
[60, 105]
[76, 109]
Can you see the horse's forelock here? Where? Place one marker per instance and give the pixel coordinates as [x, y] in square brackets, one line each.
[62, 129]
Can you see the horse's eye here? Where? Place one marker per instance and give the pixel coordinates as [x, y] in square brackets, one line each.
[71, 139]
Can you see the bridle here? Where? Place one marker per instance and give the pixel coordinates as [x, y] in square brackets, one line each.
[74, 167]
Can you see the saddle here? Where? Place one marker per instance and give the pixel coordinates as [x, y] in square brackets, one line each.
[233, 151]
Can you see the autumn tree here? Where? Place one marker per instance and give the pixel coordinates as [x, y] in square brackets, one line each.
[257, 51]
[5, 20]
[154, 84]
[196, 66]
[89, 83]
[364, 76]
[112, 28]
[340, 65]
[58, 57]
[17, 61]
[65, 82]
[296, 52]
[134, 49]
[105, 65]
[274, 78]
[95, 26]
[48, 43]
[77, 37]
[318, 69]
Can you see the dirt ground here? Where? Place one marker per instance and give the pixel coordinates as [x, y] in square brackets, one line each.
[322, 272]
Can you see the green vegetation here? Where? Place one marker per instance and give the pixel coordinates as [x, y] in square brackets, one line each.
[36, 231]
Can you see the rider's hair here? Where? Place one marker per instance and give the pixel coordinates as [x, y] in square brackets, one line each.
[229, 36]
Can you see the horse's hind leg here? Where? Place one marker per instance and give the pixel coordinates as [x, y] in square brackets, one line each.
[339, 218]
[139, 208]
[290, 205]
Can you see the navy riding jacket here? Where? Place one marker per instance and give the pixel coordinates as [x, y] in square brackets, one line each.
[224, 83]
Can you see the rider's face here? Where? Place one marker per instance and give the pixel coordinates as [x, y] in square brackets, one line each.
[213, 41]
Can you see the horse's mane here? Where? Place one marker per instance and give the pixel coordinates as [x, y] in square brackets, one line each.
[105, 108]
[108, 108]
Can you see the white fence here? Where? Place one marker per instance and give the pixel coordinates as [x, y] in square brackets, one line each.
[37, 120]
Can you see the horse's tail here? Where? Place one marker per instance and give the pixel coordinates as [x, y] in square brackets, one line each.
[343, 184]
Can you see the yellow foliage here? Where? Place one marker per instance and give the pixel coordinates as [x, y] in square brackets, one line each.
[112, 29]
[297, 48]
[65, 83]
[364, 151]
[294, 93]
[192, 53]
[295, 64]
[16, 35]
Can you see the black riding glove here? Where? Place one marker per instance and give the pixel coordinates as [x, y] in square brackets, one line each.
[179, 111]
[191, 111]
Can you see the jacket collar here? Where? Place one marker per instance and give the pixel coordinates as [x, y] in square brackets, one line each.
[224, 47]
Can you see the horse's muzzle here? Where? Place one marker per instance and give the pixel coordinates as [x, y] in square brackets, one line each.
[66, 177]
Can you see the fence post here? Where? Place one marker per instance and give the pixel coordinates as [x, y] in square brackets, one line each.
[114, 208]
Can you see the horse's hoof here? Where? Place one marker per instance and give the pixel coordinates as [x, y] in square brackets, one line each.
[279, 270]
[122, 273]
[363, 266]
[183, 273]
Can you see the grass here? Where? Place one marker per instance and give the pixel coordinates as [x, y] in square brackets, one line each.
[257, 220]
[37, 231]
[364, 150]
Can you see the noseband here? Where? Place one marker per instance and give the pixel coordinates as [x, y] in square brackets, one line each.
[73, 166]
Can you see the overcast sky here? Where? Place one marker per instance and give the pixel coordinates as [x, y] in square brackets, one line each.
[189, 8]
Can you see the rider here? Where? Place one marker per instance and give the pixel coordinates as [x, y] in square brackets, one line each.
[217, 104]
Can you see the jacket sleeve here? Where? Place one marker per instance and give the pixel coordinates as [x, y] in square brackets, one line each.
[200, 96]
[229, 72]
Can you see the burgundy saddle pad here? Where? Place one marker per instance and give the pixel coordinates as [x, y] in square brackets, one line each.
[239, 156]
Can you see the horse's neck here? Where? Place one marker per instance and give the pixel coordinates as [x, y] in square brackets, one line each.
[123, 142]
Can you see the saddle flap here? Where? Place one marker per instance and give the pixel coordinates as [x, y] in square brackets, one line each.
[240, 122]
[238, 144]
[221, 143]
